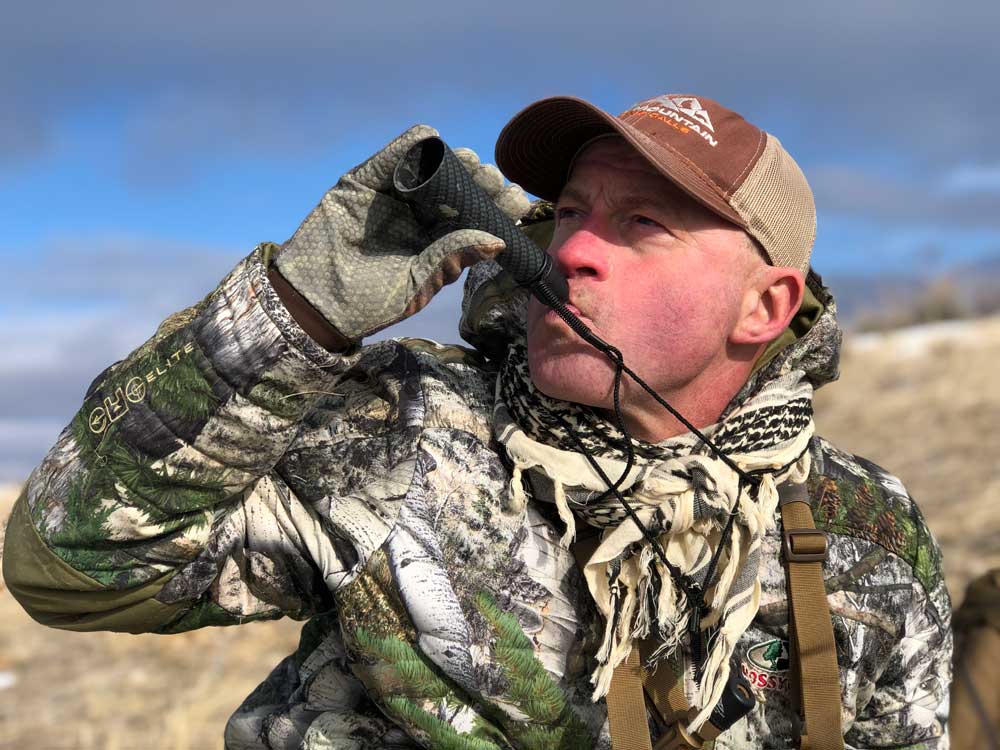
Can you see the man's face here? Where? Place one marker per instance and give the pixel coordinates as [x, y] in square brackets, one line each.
[650, 271]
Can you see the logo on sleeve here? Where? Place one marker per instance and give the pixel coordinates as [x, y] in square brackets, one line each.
[116, 405]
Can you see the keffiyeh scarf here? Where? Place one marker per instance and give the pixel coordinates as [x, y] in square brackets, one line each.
[681, 491]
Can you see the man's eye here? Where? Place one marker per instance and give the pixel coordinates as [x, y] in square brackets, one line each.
[646, 221]
[562, 214]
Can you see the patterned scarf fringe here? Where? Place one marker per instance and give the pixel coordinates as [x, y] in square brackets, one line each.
[688, 493]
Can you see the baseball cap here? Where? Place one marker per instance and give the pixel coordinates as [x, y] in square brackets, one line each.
[727, 164]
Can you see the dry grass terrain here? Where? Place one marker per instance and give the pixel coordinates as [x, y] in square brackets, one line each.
[920, 402]
[113, 691]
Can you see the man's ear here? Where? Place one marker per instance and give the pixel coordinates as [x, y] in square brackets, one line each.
[769, 304]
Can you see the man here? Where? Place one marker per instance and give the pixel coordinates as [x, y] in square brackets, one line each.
[418, 503]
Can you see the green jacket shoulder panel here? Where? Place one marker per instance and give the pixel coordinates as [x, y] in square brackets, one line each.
[855, 497]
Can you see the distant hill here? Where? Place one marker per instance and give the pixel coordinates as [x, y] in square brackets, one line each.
[889, 300]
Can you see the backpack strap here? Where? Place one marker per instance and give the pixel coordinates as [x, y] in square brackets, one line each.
[631, 683]
[627, 722]
[814, 650]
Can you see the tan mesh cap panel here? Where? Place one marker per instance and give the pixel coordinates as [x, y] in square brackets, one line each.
[777, 205]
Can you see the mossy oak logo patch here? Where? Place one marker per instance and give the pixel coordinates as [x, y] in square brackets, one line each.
[771, 655]
[766, 665]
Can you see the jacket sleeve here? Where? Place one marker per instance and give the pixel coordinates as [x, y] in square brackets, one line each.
[158, 509]
[909, 706]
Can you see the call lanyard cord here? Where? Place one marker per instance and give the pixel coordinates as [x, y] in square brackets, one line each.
[694, 592]
[618, 360]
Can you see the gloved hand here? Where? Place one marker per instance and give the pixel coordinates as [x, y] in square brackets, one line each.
[361, 259]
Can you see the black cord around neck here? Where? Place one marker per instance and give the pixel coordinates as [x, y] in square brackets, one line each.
[550, 299]
[694, 592]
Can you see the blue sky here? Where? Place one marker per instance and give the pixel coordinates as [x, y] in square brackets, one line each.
[145, 148]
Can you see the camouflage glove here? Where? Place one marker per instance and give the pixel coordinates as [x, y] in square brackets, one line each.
[362, 260]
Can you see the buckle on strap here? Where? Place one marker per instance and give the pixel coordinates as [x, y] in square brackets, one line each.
[805, 545]
[677, 738]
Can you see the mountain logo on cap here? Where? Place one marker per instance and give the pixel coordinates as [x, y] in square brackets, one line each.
[684, 113]
[689, 106]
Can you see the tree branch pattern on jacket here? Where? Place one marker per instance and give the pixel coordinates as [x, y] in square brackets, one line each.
[255, 475]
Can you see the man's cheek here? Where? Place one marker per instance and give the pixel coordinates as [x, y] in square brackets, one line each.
[540, 332]
[534, 312]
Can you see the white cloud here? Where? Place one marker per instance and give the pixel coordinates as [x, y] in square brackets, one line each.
[108, 270]
[921, 201]
[23, 444]
[46, 340]
[163, 134]
[78, 305]
[850, 75]
[973, 178]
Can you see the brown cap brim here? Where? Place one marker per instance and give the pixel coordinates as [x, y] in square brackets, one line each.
[536, 149]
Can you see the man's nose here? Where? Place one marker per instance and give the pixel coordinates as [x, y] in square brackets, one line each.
[583, 254]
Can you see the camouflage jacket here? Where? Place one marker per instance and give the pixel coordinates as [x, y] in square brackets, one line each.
[231, 470]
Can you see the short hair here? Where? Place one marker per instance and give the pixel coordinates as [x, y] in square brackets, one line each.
[754, 244]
